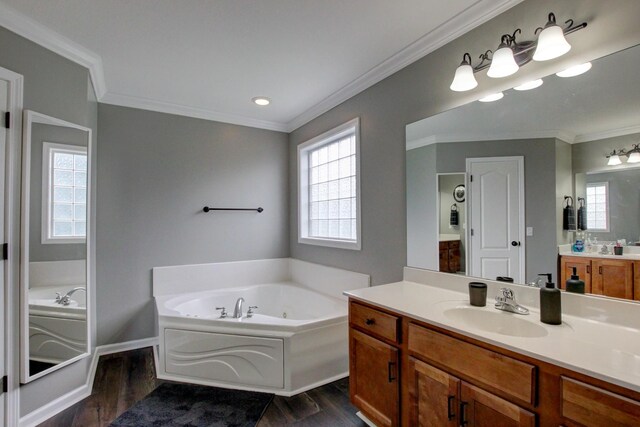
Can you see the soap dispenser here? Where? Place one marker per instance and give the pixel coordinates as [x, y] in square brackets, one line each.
[550, 303]
[575, 284]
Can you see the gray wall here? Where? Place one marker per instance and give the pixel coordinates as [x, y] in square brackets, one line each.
[156, 172]
[446, 185]
[59, 88]
[624, 204]
[564, 187]
[421, 90]
[41, 133]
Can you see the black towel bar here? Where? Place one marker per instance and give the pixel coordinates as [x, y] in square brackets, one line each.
[208, 209]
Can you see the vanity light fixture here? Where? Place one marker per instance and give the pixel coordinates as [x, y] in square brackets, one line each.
[513, 54]
[529, 85]
[261, 101]
[576, 70]
[614, 158]
[492, 97]
[633, 155]
[551, 41]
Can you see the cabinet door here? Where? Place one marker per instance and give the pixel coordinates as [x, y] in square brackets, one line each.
[583, 269]
[612, 278]
[636, 280]
[373, 381]
[479, 408]
[433, 396]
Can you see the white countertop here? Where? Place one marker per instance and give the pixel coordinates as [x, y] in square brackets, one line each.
[610, 352]
[632, 257]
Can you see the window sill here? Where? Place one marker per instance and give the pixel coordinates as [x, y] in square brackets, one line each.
[331, 243]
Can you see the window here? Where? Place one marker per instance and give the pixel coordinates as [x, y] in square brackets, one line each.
[64, 193]
[329, 188]
[598, 206]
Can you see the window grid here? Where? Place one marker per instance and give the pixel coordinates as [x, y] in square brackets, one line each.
[597, 204]
[332, 190]
[68, 212]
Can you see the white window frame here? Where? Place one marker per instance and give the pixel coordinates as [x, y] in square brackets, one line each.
[352, 126]
[608, 219]
[47, 194]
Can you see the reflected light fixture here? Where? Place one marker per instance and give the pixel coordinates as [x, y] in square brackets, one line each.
[551, 41]
[513, 54]
[464, 79]
[614, 158]
[503, 63]
[492, 97]
[261, 101]
[529, 85]
[634, 154]
[576, 70]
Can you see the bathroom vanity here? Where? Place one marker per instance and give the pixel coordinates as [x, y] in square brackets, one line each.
[420, 355]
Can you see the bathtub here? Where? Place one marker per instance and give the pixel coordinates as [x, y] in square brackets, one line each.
[297, 338]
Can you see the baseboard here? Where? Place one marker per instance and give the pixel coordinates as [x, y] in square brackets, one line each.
[63, 402]
[364, 418]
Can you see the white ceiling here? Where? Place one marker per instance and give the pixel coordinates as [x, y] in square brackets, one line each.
[208, 58]
[604, 102]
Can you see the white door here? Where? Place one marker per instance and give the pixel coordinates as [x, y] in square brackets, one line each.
[496, 205]
[4, 107]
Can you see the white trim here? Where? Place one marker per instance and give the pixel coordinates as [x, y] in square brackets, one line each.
[475, 15]
[12, 200]
[324, 138]
[184, 110]
[447, 138]
[31, 29]
[63, 402]
[594, 136]
[29, 118]
[47, 195]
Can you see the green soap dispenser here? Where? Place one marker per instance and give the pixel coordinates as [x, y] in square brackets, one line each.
[550, 303]
[575, 284]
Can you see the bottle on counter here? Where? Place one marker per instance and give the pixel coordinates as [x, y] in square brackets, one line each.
[574, 284]
[550, 304]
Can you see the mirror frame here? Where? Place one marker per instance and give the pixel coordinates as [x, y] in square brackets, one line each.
[29, 118]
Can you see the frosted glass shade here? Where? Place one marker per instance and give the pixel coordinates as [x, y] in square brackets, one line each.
[614, 160]
[551, 44]
[634, 157]
[503, 63]
[464, 79]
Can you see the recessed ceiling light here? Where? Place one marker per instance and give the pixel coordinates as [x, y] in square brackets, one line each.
[492, 97]
[576, 70]
[529, 85]
[261, 100]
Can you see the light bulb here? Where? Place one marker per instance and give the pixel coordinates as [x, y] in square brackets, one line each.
[261, 101]
[492, 97]
[503, 63]
[576, 70]
[529, 85]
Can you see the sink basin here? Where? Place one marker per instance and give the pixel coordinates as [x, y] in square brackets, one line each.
[498, 322]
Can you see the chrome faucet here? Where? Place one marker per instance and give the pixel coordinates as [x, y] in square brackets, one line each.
[506, 301]
[66, 299]
[237, 310]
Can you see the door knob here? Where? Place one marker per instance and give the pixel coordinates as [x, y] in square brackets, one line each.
[515, 243]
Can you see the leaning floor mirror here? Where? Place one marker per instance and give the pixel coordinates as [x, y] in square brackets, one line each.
[54, 323]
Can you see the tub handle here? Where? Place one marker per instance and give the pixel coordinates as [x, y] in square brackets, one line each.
[370, 321]
[250, 311]
[223, 313]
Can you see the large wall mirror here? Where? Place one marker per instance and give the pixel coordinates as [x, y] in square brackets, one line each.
[55, 240]
[518, 158]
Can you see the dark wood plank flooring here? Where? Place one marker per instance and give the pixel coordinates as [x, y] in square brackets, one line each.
[122, 379]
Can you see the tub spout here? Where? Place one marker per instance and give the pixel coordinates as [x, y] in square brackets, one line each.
[237, 311]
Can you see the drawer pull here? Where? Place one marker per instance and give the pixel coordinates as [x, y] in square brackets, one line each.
[600, 270]
[370, 321]
[450, 411]
[588, 269]
[463, 406]
[390, 365]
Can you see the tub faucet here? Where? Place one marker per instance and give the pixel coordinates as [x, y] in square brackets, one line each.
[237, 311]
[66, 299]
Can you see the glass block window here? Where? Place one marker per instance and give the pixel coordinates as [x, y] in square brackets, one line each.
[329, 188]
[65, 193]
[597, 203]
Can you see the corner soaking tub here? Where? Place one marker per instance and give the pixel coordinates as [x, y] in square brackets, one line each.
[297, 338]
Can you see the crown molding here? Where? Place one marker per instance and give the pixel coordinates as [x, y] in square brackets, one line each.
[594, 136]
[183, 110]
[562, 135]
[473, 16]
[34, 31]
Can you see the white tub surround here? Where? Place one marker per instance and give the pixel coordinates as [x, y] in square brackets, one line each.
[295, 341]
[599, 337]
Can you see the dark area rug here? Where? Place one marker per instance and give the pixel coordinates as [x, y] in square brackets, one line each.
[188, 405]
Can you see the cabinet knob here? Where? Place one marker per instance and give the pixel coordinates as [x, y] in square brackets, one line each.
[370, 321]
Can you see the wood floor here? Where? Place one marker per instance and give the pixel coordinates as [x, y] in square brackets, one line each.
[124, 378]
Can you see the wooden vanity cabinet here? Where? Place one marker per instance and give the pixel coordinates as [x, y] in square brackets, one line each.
[583, 270]
[636, 280]
[603, 276]
[449, 256]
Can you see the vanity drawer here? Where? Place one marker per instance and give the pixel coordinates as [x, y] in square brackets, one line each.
[593, 406]
[374, 322]
[512, 376]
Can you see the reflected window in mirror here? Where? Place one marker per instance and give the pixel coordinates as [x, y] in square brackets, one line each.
[65, 193]
[597, 206]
